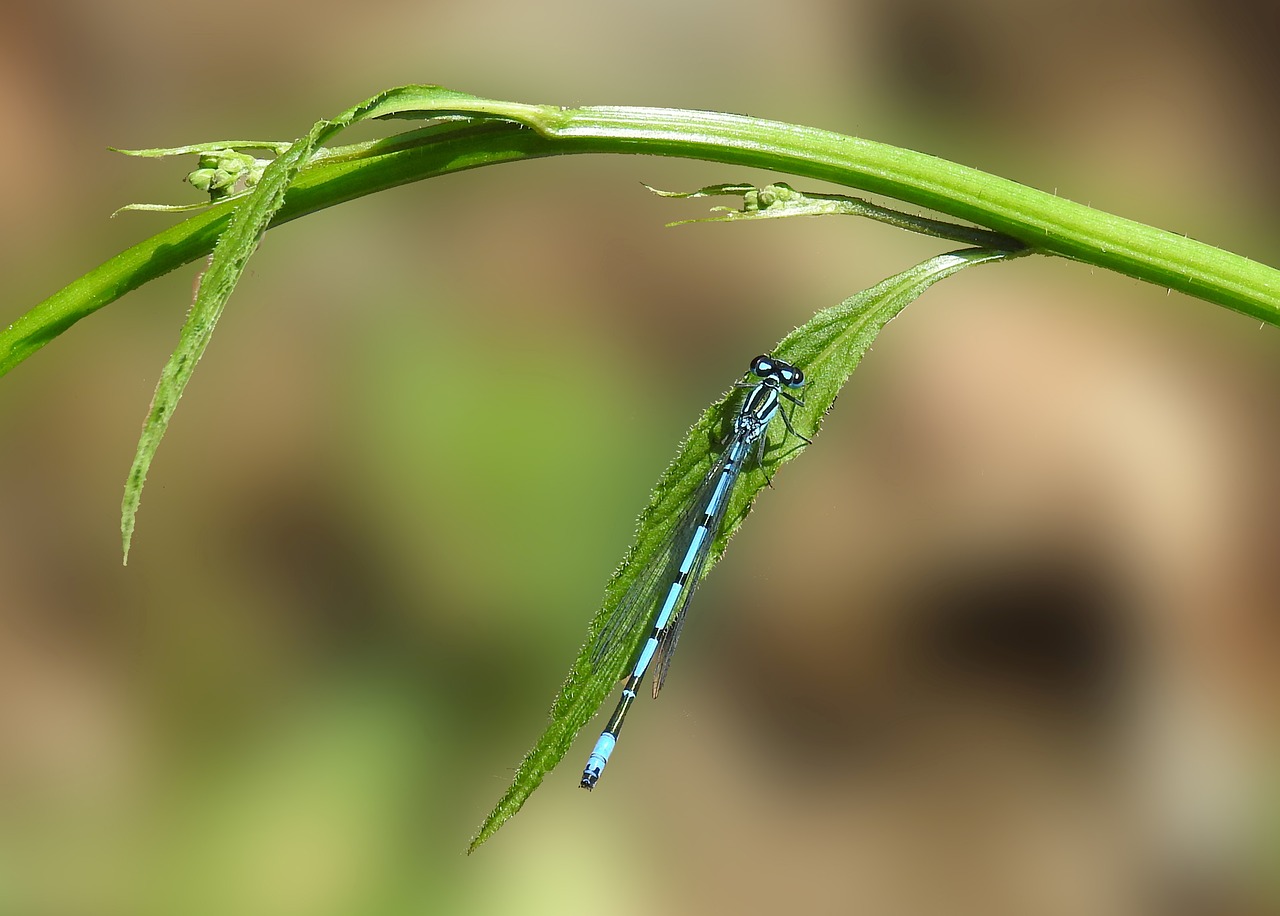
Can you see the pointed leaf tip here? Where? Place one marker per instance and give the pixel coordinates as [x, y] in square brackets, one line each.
[828, 347]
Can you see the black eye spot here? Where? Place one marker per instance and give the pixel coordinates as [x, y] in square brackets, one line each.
[762, 366]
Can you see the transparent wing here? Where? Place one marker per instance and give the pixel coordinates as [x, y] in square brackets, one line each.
[671, 634]
[640, 603]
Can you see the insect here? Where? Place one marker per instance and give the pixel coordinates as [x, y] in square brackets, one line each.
[663, 589]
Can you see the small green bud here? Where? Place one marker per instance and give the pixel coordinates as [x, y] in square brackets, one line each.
[224, 172]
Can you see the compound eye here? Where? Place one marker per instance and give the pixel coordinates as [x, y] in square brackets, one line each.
[794, 377]
[762, 366]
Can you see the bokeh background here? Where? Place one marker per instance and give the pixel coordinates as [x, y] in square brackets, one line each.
[1004, 642]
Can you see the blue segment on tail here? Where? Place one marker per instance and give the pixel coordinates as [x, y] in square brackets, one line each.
[660, 602]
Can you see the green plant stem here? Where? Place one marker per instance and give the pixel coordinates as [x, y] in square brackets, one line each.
[1045, 222]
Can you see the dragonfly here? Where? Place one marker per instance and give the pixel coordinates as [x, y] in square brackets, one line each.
[663, 589]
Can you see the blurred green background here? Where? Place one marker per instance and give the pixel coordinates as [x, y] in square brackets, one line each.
[1005, 641]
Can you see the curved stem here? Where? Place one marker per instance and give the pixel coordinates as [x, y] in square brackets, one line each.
[1047, 223]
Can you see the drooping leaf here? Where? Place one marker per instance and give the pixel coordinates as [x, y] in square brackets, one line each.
[237, 243]
[828, 348]
[226, 264]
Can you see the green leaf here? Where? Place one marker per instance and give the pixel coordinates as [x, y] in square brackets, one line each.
[237, 243]
[828, 348]
[779, 200]
[276, 146]
[226, 265]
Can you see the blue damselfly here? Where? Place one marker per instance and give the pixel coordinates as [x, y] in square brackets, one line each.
[661, 592]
